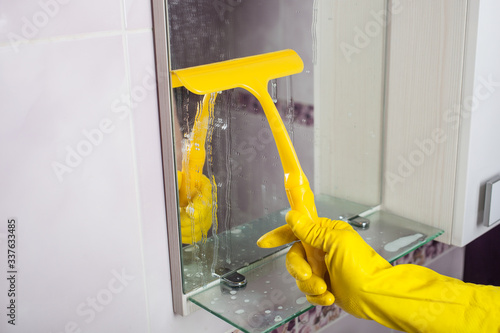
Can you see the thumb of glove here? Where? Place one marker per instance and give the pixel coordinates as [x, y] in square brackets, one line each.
[317, 233]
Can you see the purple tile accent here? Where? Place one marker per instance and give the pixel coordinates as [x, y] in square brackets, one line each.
[303, 114]
[423, 254]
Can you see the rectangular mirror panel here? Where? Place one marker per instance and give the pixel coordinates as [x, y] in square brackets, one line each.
[230, 176]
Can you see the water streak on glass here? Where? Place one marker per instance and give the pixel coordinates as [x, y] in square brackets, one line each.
[290, 107]
[227, 218]
[210, 159]
[274, 90]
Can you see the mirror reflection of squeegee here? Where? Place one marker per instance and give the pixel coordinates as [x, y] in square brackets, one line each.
[197, 194]
[253, 74]
[194, 156]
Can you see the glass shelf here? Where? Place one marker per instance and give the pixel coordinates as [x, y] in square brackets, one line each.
[271, 297]
[237, 248]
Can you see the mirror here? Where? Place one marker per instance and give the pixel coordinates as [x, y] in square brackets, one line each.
[332, 110]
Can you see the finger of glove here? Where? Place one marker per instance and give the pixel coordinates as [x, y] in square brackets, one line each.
[190, 239]
[190, 232]
[325, 299]
[201, 224]
[199, 208]
[312, 286]
[187, 227]
[206, 186]
[180, 177]
[296, 263]
[201, 212]
[277, 237]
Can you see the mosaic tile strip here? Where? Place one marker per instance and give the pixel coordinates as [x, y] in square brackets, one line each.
[302, 114]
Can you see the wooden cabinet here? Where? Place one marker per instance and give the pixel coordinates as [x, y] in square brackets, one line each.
[442, 115]
[419, 138]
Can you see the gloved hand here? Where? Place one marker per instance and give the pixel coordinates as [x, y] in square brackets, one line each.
[408, 298]
[196, 207]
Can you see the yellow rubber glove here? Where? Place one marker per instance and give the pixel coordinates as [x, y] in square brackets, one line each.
[408, 298]
[196, 208]
[197, 197]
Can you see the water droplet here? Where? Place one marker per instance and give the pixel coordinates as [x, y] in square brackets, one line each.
[233, 297]
[278, 318]
[247, 300]
[274, 90]
[280, 307]
[267, 311]
[301, 300]
[233, 292]
[239, 311]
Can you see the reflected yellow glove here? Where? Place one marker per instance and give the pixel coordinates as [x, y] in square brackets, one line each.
[196, 208]
[408, 298]
[197, 197]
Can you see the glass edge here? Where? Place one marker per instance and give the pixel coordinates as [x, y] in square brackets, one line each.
[218, 315]
[288, 319]
[416, 246]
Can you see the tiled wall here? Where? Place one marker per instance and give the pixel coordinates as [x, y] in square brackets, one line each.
[81, 169]
[77, 105]
[68, 68]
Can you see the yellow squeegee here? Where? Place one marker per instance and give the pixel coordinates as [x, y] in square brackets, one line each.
[253, 74]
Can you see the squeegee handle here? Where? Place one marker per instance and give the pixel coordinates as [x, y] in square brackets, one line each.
[301, 198]
[298, 191]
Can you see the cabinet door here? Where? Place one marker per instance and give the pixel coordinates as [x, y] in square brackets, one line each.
[425, 60]
[440, 128]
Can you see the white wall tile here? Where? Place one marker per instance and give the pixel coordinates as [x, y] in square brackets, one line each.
[138, 14]
[74, 231]
[149, 175]
[30, 20]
